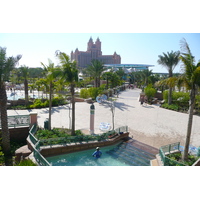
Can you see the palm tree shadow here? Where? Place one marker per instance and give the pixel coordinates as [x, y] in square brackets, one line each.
[55, 109]
[121, 106]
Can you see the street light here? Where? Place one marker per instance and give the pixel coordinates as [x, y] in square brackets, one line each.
[92, 108]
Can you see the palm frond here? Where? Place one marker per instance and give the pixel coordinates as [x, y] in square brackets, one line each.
[169, 60]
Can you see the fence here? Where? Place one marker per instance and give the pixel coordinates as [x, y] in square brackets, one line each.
[171, 147]
[167, 149]
[121, 129]
[36, 147]
[18, 120]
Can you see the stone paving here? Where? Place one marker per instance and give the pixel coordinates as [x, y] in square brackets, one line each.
[149, 124]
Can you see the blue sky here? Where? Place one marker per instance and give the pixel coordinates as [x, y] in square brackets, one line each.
[134, 48]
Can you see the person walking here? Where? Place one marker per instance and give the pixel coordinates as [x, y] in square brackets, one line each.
[141, 100]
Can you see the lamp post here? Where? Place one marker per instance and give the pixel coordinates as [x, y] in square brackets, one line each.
[92, 108]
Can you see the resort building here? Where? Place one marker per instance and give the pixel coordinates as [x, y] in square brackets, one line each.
[83, 58]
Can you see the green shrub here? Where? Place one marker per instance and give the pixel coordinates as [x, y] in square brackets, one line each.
[93, 92]
[43, 134]
[37, 104]
[26, 162]
[2, 159]
[84, 93]
[56, 101]
[177, 96]
[78, 132]
[181, 96]
[165, 95]
[170, 107]
[45, 104]
[150, 92]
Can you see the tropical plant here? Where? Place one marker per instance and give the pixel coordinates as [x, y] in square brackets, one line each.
[121, 74]
[70, 75]
[191, 80]
[95, 70]
[52, 73]
[169, 61]
[150, 92]
[107, 76]
[93, 92]
[26, 162]
[84, 93]
[7, 64]
[25, 73]
[146, 74]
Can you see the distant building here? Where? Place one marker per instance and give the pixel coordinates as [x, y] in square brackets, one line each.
[83, 58]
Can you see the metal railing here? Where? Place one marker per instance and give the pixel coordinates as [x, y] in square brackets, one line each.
[18, 120]
[171, 147]
[121, 129]
[36, 147]
[168, 149]
[38, 157]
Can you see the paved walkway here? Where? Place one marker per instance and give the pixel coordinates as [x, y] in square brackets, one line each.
[149, 124]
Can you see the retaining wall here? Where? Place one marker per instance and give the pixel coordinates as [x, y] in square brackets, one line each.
[18, 134]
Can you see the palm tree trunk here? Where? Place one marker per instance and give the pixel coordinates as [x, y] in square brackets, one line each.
[50, 105]
[99, 81]
[4, 122]
[73, 110]
[96, 82]
[26, 91]
[170, 89]
[107, 82]
[189, 127]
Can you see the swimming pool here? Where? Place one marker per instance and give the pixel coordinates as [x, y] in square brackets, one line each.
[122, 154]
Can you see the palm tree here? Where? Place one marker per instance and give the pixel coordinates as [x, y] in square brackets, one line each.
[95, 69]
[70, 75]
[169, 61]
[146, 74]
[7, 64]
[24, 71]
[52, 73]
[191, 80]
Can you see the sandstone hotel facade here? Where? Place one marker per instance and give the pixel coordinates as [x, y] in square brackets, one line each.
[83, 58]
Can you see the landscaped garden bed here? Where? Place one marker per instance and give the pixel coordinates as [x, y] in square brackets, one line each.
[63, 136]
[175, 159]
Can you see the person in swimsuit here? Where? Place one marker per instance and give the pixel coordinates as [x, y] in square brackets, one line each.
[97, 153]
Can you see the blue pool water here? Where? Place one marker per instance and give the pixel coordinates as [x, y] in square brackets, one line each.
[122, 154]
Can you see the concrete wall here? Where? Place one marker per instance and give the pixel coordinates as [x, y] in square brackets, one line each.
[18, 134]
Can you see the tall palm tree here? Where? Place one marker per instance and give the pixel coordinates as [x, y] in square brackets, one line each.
[169, 61]
[95, 69]
[24, 71]
[70, 75]
[52, 73]
[7, 64]
[191, 80]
